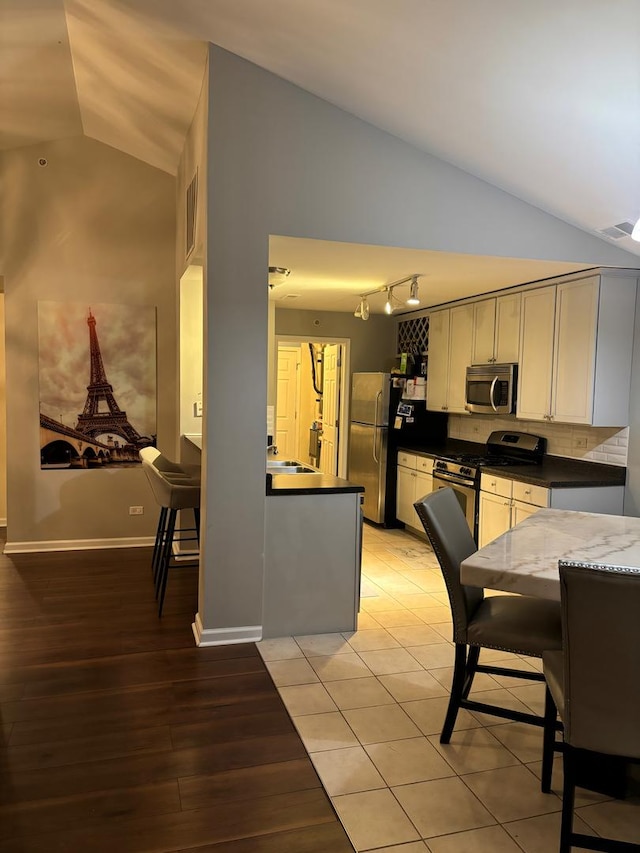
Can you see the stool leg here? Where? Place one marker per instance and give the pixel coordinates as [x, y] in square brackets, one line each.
[157, 548]
[164, 554]
[196, 516]
[164, 572]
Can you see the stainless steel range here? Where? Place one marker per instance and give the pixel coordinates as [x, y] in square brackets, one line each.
[461, 472]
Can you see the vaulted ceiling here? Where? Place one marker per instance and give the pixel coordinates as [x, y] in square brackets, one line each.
[539, 98]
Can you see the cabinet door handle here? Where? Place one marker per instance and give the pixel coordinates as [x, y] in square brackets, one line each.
[527, 491]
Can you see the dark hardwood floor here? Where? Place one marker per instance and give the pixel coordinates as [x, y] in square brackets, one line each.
[118, 735]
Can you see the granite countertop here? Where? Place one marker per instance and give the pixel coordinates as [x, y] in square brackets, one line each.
[309, 484]
[525, 559]
[555, 472]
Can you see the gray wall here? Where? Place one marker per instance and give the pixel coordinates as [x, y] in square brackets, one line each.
[94, 225]
[373, 343]
[282, 161]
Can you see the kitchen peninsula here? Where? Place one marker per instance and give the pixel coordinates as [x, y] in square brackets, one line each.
[313, 547]
[312, 551]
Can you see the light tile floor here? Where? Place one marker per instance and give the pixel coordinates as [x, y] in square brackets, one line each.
[369, 708]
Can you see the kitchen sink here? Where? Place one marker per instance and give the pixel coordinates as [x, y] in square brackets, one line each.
[289, 468]
[282, 463]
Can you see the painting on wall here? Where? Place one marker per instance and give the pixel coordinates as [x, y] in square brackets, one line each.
[97, 377]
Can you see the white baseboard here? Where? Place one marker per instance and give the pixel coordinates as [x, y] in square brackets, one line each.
[225, 636]
[189, 555]
[77, 545]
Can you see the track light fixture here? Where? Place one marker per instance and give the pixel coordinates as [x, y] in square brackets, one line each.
[635, 234]
[414, 299]
[362, 311]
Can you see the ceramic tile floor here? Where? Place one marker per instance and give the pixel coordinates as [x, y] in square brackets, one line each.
[369, 708]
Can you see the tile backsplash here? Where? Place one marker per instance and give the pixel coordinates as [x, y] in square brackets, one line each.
[593, 444]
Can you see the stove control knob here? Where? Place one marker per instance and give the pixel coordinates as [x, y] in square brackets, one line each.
[441, 464]
[466, 471]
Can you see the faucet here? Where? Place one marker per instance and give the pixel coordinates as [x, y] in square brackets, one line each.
[272, 449]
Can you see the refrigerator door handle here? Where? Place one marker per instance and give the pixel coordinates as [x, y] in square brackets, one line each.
[377, 419]
[373, 447]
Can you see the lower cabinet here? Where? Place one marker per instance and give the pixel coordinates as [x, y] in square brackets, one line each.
[505, 503]
[495, 517]
[414, 481]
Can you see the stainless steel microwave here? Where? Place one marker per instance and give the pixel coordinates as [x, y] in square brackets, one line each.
[491, 389]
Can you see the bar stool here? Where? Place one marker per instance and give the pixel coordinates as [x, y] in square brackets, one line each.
[173, 471]
[172, 492]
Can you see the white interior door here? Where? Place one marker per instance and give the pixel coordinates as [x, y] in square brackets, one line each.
[287, 401]
[330, 408]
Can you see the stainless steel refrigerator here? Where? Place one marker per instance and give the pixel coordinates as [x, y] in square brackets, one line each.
[375, 432]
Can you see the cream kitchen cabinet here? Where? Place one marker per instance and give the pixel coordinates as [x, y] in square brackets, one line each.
[414, 481]
[505, 503]
[450, 339]
[496, 330]
[575, 351]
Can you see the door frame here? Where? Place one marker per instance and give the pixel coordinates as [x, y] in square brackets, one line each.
[345, 389]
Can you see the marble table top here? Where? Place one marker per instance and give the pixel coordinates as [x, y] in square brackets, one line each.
[525, 559]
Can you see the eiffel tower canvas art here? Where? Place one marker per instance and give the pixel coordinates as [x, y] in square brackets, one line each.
[106, 422]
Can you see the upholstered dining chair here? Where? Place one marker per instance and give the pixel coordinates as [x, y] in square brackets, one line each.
[594, 682]
[514, 623]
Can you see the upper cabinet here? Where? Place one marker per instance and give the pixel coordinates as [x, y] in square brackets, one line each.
[575, 351]
[450, 339]
[496, 330]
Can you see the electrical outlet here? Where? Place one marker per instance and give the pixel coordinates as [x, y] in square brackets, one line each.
[136, 510]
[197, 409]
[580, 443]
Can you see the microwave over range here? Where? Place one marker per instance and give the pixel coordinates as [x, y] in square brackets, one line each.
[491, 388]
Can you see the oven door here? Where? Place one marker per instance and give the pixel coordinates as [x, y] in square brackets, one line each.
[466, 494]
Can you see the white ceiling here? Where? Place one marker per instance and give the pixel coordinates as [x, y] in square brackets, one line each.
[539, 98]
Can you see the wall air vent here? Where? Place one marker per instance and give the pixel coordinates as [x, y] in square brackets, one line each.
[190, 208]
[616, 232]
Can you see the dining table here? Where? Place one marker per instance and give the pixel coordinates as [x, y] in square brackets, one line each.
[526, 559]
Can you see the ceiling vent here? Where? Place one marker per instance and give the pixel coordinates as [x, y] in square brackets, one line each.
[616, 232]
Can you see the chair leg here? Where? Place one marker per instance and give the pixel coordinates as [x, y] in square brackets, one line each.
[168, 545]
[196, 518]
[472, 663]
[157, 548]
[568, 795]
[457, 688]
[548, 741]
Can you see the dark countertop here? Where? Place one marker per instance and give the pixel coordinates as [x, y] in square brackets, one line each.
[555, 472]
[309, 484]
